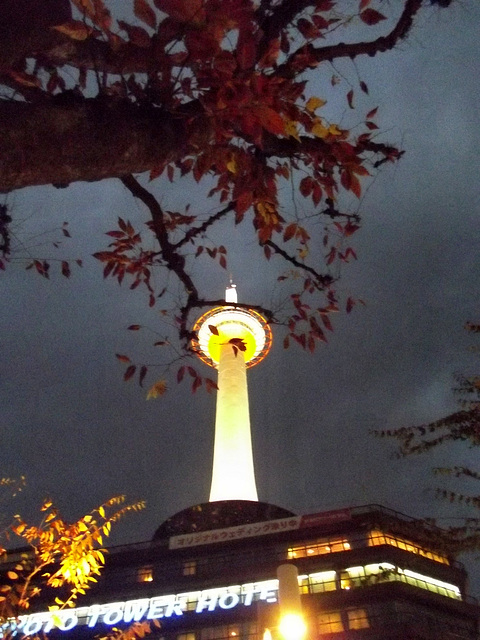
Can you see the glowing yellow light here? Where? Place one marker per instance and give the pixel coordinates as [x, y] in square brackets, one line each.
[346, 545]
[231, 322]
[292, 626]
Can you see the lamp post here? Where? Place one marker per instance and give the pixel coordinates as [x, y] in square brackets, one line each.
[231, 339]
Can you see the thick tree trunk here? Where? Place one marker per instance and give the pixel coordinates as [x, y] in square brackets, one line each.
[84, 140]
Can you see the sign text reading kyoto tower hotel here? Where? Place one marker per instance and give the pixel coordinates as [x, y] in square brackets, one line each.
[155, 608]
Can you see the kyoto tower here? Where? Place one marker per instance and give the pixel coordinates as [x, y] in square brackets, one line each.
[232, 339]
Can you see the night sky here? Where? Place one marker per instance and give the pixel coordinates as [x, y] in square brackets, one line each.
[81, 435]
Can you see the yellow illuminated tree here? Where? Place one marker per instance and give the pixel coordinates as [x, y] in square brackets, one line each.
[58, 555]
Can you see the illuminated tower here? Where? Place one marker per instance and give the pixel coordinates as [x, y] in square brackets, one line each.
[232, 339]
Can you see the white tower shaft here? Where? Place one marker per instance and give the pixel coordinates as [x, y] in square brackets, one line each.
[233, 476]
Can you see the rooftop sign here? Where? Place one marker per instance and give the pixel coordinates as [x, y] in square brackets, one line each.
[258, 529]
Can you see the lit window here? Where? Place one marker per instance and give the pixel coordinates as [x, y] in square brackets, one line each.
[189, 568]
[145, 574]
[318, 548]
[322, 581]
[376, 538]
[357, 619]
[186, 636]
[330, 622]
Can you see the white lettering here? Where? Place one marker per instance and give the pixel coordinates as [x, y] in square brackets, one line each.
[135, 609]
[32, 625]
[229, 600]
[67, 621]
[113, 613]
[174, 607]
[93, 613]
[207, 599]
[268, 590]
[157, 607]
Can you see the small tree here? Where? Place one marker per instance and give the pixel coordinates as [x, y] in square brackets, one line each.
[57, 555]
[461, 426]
[221, 92]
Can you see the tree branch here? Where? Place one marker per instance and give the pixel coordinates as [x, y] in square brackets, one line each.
[193, 232]
[310, 56]
[322, 280]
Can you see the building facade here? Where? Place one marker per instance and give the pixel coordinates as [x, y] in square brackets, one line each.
[210, 574]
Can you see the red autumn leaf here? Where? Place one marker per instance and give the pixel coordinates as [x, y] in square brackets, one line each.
[196, 383]
[129, 372]
[134, 327]
[317, 193]
[143, 373]
[286, 342]
[144, 12]
[243, 202]
[183, 10]
[331, 255]
[122, 358]
[137, 35]
[246, 51]
[320, 22]
[371, 16]
[350, 252]
[350, 304]
[364, 4]
[290, 232]
[180, 374]
[307, 29]
[371, 114]
[306, 186]
[350, 98]
[326, 321]
[355, 186]
[371, 125]
[210, 385]
[238, 343]
[350, 228]
[363, 87]
[270, 120]
[222, 261]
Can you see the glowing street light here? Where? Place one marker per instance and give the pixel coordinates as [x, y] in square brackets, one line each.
[292, 624]
[232, 339]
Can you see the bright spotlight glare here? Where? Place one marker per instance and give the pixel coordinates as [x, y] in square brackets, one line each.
[292, 626]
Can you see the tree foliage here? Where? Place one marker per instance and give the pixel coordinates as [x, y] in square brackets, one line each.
[56, 555]
[219, 92]
[462, 426]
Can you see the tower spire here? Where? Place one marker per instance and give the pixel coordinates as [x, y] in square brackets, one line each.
[232, 339]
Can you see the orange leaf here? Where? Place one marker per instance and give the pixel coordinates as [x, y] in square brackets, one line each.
[122, 358]
[156, 390]
[76, 29]
[270, 120]
[213, 329]
[290, 232]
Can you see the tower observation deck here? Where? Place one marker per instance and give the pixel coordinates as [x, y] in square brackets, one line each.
[231, 339]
